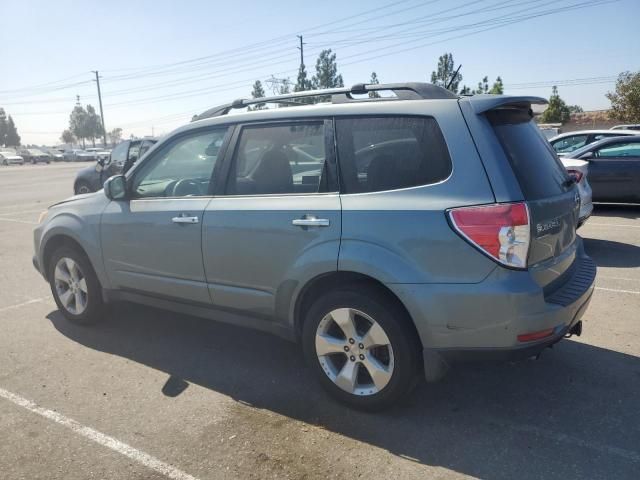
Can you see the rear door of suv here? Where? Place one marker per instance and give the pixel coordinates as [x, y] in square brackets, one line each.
[523, 166]
[278, 222]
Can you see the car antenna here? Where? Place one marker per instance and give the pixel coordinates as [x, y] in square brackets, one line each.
[453, 77]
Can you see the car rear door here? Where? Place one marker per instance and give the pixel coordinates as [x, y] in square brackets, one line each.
[278, 222]
[614, 172]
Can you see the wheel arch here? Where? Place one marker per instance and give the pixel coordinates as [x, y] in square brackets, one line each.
[338, 280]
[54, 243]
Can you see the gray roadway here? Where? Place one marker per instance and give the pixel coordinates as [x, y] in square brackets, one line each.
[215, 401]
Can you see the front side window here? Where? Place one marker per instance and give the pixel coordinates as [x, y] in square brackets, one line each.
[619, 150]
[388, 153]
[280, 159]
[182, 169]
[569, 144]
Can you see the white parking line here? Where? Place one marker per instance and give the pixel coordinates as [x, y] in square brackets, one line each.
[626, 279]
[618, 291]
[21, 212]
[100, 438]
[23, 304]
[612, 225]
[17, 221]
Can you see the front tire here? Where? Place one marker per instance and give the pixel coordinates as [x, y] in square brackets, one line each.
[362, 347]
[75, 287]
[83, 187]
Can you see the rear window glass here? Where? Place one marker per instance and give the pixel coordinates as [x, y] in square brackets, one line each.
[535, 164]
[388, 153]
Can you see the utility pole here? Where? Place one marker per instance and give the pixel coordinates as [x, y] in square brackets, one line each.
[301, 48]
[104, 129]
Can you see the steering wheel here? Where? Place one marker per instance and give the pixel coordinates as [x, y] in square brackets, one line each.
[186, 187]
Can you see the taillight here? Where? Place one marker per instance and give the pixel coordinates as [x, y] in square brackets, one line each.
[576, 175]
[500, 230]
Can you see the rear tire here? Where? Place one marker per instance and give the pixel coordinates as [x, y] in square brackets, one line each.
[371, 358]
[75, 286]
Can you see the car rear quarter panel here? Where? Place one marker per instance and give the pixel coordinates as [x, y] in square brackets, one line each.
[403, 236]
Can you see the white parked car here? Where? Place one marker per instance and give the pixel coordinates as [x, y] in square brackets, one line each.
[635, 126]
[566, 143]
[578, 169]
[10, 158]
[100, 153]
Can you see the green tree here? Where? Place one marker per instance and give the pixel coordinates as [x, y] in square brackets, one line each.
[444, 73]
[557, 111]
[12, 139]
[257, 92]
[483, 87]
[78, 124]
[93, 125]
[575, 109]
[67, 137]
[115, 135]
[498, 87]
[302, 83]
[374, 81]
[327, 75]
[625, 101]
[3, 128]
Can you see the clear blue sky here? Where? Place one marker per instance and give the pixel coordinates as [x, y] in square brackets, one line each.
[135, 43]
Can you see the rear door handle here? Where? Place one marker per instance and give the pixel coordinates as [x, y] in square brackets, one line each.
[184, 219]
[310, 221]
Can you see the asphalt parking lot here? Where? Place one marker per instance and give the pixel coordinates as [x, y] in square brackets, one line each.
[149, 394]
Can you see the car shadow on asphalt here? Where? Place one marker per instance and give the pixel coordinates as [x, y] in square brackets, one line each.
[608, 253]
[612, 210]
[571, 414]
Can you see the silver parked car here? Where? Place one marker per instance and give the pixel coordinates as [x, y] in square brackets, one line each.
[566, 143]
[391, 237]
[8, 157]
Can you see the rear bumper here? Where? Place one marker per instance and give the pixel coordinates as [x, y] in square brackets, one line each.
[517, 352]
[483, 320]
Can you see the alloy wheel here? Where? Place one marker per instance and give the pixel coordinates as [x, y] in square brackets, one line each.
[354, 351]
[71, 286]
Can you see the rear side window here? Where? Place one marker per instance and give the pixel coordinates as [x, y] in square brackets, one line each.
[280, 159]
[535, 164]
[569, 144]
[388, 153]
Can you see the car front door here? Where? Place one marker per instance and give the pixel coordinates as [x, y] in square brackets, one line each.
[278, 223]
[614, 172]
[152, 242]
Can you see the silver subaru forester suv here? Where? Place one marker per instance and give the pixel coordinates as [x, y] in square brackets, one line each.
[390, 236]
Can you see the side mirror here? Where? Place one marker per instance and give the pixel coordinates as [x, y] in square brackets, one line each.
[99, 166]
[587, 156]
[115, 188]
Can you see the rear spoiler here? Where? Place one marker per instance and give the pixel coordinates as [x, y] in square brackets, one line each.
[483, 103]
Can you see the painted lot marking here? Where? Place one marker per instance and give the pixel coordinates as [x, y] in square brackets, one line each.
[626, 279]
[636, 292]
[23, 304]
[613, 225]
[100, 438]
[2, 219]
[21, 212]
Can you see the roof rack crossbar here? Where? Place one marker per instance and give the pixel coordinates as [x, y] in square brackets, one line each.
[403, 91]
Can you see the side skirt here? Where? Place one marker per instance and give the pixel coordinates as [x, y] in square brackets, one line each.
[202, 311]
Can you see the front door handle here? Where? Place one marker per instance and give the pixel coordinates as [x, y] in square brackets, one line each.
[310, 221]
[184, 219]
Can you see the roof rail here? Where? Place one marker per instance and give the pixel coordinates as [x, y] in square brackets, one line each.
[403, 91]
